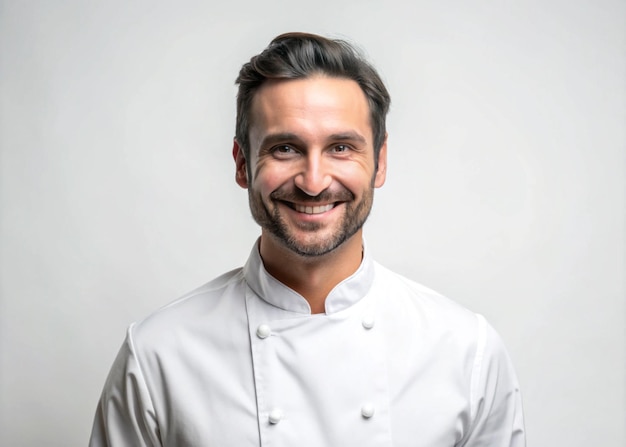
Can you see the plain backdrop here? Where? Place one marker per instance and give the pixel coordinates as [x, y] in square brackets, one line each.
[505, 188]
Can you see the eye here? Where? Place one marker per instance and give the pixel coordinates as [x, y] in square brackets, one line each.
[340, 148]
[283, 150]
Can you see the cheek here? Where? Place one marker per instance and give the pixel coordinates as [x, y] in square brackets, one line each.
[269, 178]
[356, 177]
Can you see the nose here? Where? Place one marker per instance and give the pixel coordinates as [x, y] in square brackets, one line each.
[314, 176]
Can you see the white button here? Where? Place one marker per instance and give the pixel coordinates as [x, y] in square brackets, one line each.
[263, 331]
[367, 411]
[275, 416]
[368, 322]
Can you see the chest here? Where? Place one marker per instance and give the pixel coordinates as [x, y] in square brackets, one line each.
[356, 378]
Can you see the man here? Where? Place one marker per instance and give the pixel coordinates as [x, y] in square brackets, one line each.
[311, 343]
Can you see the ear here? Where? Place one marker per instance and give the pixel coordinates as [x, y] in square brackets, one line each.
[241, 169]
[381, 173]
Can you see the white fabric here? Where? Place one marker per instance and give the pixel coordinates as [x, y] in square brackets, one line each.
[242, 362]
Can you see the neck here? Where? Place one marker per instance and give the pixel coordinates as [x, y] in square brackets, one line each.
[313, 277]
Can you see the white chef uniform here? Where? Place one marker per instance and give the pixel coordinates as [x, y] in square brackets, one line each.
[242, 361]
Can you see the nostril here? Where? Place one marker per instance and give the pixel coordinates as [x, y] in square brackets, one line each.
[312, 184]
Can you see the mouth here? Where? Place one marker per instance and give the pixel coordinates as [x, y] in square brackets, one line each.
[318, 209]
[310, 209]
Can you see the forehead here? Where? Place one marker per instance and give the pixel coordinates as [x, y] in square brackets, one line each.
[314, 104]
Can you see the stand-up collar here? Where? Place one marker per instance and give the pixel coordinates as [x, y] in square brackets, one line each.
[342, 296]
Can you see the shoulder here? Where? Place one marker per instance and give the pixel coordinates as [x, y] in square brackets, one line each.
[411, 295]
[422, 320]
[418, 317]
[199, 308]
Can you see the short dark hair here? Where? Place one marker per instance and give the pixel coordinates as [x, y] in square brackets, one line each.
[301, 55]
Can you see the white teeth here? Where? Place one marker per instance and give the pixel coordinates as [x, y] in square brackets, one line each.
[314, 209]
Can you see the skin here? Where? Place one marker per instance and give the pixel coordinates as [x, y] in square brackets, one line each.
[311, 145]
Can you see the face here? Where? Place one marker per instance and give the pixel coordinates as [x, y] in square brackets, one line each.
[312, 163]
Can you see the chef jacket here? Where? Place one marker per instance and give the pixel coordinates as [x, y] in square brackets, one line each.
[242, 361]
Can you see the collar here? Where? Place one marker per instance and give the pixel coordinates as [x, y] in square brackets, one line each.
[343, 295]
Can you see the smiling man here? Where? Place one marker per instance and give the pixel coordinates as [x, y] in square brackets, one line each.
[311, 172]
[311, 343]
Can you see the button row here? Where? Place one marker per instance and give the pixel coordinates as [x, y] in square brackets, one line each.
[264, 331]
[276, 415]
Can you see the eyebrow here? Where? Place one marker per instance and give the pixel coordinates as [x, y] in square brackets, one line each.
[274, 138]
[348, 136]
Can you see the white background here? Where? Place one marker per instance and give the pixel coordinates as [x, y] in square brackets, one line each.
[505, 189]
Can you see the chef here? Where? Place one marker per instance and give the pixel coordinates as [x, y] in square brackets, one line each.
[311, 342]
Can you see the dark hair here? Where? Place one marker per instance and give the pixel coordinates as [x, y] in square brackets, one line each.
[301, 55]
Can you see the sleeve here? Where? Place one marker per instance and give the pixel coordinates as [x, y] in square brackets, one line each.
[125, 414]
[497, 418]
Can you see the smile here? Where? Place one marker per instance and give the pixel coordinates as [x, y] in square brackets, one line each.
[313, 209]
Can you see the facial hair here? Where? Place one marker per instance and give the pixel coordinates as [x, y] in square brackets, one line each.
[354, 216]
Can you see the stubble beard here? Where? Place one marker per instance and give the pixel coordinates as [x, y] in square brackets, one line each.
[354, 216]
